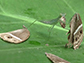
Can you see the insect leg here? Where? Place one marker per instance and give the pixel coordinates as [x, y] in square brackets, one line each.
[51, 30]
[32, 23]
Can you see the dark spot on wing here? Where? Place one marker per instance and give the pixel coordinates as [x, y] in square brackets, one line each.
[81, 31]
[9, 37]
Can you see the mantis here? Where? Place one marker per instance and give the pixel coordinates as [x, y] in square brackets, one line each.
[61, 18]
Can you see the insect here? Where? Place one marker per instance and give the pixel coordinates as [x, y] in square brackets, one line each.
[76, 32]
[16, 36]
[55, 59]
[61, 18]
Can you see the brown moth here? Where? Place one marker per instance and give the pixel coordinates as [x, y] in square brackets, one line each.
[76, 32]
[63, 21]
[55, 59]
[16, 36]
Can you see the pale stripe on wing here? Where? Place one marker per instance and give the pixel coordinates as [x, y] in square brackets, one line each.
[78, 29]
[15, 36]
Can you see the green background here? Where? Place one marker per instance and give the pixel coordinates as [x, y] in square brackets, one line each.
[15, 13]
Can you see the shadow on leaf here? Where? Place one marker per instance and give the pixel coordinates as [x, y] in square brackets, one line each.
[34, 42]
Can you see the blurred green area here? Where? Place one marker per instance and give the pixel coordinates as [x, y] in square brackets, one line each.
[15, 13]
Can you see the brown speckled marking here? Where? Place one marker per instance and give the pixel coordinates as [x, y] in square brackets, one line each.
[55, 59]
[76, 32]
[16, 36]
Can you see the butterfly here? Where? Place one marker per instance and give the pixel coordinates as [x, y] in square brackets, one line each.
[55, 59]
[75, 36]
[16, 36]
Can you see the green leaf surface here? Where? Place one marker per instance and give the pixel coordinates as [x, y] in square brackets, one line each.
[15, 13]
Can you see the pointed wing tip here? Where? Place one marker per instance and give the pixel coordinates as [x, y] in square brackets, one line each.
[46, 53]
[77, 13]
[0, 34]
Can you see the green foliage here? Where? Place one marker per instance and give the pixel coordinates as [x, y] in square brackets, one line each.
[15, 13]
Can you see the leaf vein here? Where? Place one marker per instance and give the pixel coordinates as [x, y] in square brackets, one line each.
[2, 9]
[70, 6]
[30, 48]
